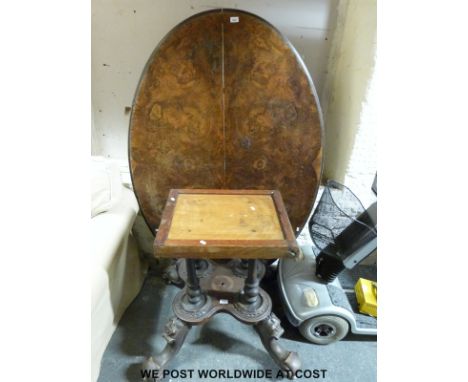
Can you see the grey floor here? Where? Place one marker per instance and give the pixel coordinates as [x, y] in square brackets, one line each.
[223, 343]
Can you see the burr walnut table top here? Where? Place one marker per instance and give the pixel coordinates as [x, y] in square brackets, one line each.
[225, 102]
[225, 224]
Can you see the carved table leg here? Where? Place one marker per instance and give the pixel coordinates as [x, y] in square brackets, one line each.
[175, 334]
[270, 331]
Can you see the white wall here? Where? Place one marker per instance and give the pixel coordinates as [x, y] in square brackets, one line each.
[350, 129]
[363, 163]
[125, 32]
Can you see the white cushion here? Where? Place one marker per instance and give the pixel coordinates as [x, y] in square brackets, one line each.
[106, 185]
[108, 229]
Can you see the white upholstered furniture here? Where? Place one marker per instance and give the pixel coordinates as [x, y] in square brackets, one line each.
[117, 272]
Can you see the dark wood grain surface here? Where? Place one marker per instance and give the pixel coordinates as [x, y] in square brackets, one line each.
[225, 105]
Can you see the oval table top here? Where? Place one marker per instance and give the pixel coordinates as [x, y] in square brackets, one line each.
[225, 102]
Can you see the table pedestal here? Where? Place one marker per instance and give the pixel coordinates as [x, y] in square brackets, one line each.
[229, 287]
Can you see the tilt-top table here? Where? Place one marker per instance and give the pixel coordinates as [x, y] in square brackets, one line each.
[225, 125]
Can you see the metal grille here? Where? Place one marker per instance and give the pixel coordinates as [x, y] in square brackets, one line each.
[337, 209]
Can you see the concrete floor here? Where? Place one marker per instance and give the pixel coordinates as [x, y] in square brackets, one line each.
[223, 343]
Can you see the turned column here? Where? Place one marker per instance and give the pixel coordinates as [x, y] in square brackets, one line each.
[250, 292]
[195, 295]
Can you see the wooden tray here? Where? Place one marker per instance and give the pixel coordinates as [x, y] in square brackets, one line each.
[225, 224]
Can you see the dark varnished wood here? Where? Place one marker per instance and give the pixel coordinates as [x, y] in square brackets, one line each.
[225, 105]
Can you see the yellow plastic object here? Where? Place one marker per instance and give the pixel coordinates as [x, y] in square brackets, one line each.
[366, 294]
